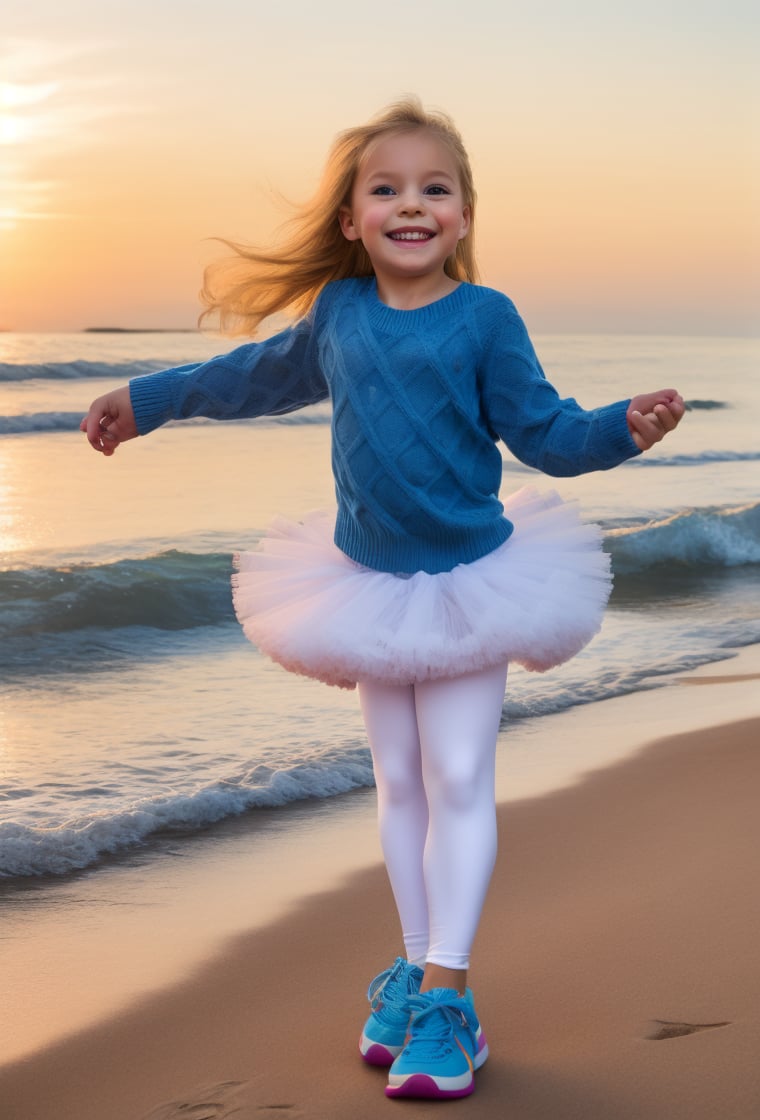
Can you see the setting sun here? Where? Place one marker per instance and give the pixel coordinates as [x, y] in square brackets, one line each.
[24, 121]
[16, 125]
[11, 129]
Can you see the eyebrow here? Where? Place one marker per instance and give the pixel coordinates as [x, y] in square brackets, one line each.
[428, 175]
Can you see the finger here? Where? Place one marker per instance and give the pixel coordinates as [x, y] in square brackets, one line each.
[678, 408]
[665, 417]
[109, 441]
[91, 424]
[646, 430]
[634, 420]
[99, 438]
[655, 428]
[95, 424]
[93, 430]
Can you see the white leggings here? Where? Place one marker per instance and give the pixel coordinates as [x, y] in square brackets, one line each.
[433, 750]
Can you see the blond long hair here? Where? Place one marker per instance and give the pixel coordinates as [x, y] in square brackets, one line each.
[242, 290]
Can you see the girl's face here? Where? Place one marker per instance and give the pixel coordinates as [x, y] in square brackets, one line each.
[408, 211]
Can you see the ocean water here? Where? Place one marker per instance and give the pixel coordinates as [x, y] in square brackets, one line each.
[131, 707]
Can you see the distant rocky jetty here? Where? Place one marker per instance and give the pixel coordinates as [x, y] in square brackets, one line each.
[140, 330]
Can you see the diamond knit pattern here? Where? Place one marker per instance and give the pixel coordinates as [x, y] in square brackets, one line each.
[420, 398]
[412, 457]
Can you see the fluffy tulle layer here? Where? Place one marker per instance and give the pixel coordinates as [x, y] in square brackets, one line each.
[536, 600]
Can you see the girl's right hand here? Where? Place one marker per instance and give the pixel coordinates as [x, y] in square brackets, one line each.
[110, 421]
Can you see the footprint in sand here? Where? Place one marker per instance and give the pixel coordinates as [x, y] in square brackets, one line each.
[210, 1102]
[665, 1029]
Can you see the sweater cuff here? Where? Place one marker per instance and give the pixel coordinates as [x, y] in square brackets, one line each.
[151, 399]
[614, 428]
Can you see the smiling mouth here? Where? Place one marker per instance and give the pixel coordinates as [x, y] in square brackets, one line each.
[411, 235]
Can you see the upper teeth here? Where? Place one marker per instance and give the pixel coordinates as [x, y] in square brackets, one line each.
[413, 236]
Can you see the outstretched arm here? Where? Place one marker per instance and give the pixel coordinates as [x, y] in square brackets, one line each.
[267, 378]
[556, 435]
[651, 416]
[110, 421]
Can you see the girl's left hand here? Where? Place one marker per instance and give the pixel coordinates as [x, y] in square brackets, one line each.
[651, 416]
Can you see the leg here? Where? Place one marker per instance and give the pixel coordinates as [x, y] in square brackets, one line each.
[458, 722]
[391, 722]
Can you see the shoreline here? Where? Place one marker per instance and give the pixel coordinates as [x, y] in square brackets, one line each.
[178, 902]
[622, 904]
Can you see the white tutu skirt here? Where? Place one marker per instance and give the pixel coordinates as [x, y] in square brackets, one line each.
[536, 600]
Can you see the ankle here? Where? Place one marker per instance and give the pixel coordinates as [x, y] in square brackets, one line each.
[438, 976]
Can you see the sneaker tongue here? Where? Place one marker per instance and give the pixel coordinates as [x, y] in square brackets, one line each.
[448, 997]
[440, 1005]
[437, 1022]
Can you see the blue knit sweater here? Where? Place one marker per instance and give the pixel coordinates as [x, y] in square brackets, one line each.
[420, 399]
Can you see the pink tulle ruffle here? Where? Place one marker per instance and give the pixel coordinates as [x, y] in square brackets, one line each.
[536, 600]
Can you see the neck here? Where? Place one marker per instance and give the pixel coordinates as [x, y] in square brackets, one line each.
[412, 293]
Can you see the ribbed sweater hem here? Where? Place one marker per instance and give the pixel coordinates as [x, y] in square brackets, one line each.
[405, 556]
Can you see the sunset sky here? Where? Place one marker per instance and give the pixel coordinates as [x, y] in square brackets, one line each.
[613, 146]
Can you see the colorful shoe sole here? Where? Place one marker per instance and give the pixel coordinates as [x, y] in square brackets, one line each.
[424, 1085]
[384, 1033]
[375, 1054]
[420, 1085]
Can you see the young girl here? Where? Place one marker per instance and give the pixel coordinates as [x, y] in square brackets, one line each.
[424, 586]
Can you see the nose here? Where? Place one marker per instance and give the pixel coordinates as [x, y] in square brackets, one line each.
[411, 202]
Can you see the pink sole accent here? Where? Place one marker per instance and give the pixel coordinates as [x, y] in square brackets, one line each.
[420, 1085]
[377, 1055]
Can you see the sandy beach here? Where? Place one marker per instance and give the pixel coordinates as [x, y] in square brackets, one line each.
[616, 969]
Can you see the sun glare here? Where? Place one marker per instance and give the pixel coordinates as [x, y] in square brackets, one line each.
[11, 518]
[20, 121]
[16, 124]
[13, 95]
[11, 129]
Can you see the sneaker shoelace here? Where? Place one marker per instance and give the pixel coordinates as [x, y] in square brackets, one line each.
[438, 1020]
[390, 992]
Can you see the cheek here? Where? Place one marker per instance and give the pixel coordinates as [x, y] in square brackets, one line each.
[372, 220]
[457, 219]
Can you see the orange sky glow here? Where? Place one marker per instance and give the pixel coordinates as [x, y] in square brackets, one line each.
[615, 152]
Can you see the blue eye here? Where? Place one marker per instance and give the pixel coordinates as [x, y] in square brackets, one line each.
[384, 190]
[436, 188]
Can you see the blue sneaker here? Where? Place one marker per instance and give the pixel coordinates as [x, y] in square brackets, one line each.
[445, 1045]
[389, 994]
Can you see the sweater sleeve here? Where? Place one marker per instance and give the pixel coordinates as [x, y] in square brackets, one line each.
[539, 427]
[269, 378]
